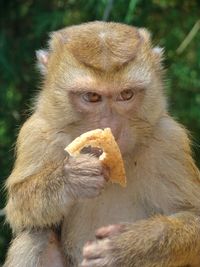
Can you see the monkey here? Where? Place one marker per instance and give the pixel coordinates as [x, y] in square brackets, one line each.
[98, 75]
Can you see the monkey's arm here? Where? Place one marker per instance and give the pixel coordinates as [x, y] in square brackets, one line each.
[159, 241]
[170, 185]
[165, 241]
[43, 184]
[39, 248]
[36, 195]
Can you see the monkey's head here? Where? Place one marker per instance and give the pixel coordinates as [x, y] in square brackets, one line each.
[99, 75]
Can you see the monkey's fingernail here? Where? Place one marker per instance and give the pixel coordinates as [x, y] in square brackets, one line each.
[109, 230]
[97, 151]
[66, 153]
[101, 233]
[88, 243]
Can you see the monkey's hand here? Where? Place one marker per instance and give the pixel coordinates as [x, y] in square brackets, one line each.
[159, 241]
[86, 176]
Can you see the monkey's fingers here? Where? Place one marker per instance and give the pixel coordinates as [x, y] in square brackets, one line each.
[108, 231]
[95, 249]
[96, 151]
[97, 254]
[67, 155]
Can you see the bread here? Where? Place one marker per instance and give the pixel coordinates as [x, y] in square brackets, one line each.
[111, 156]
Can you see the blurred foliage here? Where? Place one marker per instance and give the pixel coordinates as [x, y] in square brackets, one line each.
[25, 25]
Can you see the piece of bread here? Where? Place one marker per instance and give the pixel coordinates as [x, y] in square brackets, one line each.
[111, 156]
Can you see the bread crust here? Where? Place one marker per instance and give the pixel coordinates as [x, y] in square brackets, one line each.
[111, 156]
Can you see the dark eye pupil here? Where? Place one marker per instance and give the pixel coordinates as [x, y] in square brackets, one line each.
[92, 97]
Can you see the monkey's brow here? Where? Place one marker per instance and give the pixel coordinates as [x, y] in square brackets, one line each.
[80, 89]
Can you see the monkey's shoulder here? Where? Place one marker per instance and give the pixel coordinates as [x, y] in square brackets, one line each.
[171, 135]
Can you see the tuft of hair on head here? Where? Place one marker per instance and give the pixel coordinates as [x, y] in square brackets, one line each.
[157, 52]
[42, 60]
[145, 35]
[100, 45]
[103, 46]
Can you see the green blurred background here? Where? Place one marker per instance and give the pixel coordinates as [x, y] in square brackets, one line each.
[25, 26]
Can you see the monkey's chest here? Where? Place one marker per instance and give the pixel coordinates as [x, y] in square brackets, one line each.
[115, 205]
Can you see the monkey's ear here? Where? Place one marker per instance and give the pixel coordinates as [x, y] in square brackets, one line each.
[145, 35]
[42, 60]
[158, 54]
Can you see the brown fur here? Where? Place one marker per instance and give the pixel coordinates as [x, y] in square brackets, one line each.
[46, 188]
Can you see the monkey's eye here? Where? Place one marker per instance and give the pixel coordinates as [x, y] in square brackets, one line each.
[92, 97]
[125, 95]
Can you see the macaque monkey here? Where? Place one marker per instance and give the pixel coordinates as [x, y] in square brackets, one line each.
[99, 75]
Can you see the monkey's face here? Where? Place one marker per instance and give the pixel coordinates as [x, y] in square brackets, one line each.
[104, 75]
[114, 100]
[102, 108]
